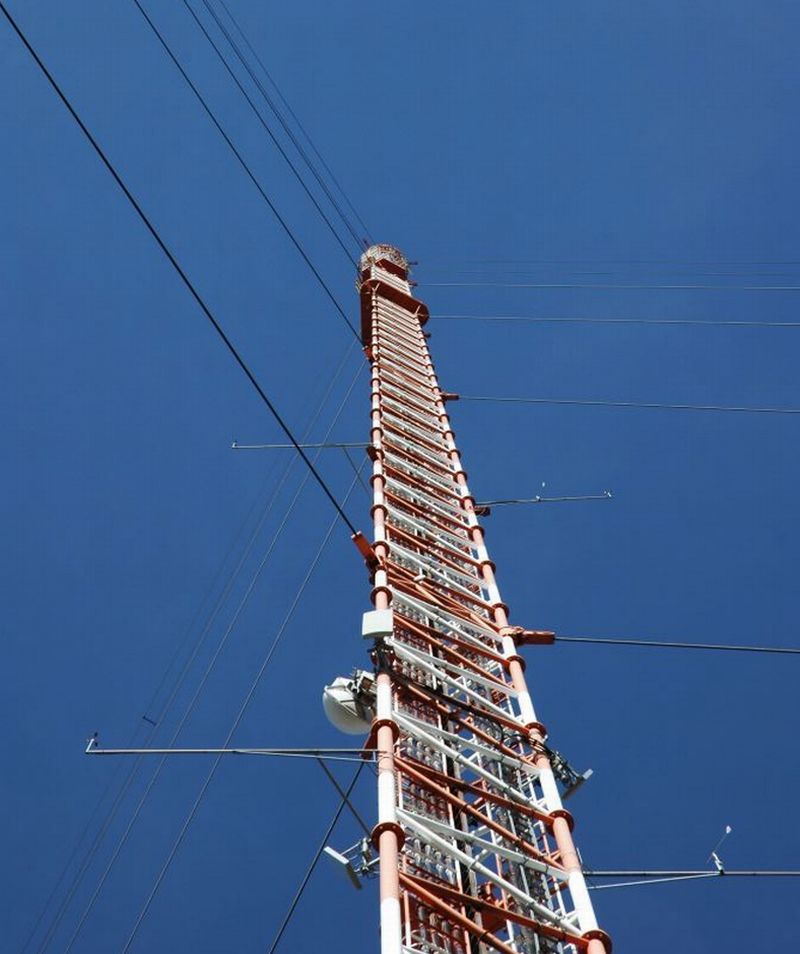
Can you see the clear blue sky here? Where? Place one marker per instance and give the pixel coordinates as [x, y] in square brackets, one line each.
[641, 143]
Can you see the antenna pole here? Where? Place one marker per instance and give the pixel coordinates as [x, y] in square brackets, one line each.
[475, 847]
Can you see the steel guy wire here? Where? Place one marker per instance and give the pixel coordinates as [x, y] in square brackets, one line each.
[209, 668]
[535, 319]
[652, 877]
[90, 853]
[344, 795]
[123, 789]
[663, 644]
[236, 152]
[317, 855]
[576, 498]
[277, 113]
[236, 722]
[188, 663]
[181, 677]
[110, 814]
[183, 275]
[599, 285]
[629, 884]
[570, 402]
[76, 849]
[159, 36]
[177, 685]
[440, 263]
[356, 471]
[542, 273]
[733, 873]
[295, 117]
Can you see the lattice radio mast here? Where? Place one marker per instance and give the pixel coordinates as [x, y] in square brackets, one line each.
[474, 845]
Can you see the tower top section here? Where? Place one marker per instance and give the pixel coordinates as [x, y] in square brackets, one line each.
[386, 253]
[383, 276]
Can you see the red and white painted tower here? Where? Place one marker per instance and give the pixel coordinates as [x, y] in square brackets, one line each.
[475, 847]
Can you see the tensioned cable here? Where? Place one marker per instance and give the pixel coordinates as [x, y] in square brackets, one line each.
[122, 791]
[131, 777]
[179, 681]
[719, 873]
[597, 285]
[332, 778]
[317, 855]
[630, 884]
[570, 402]
[278, 115]
[618, 321]
[206, 674]
[89, 854]
[357, 472]
[182, 675]
[576, 498]
[236, 722]
[123, 839]
[662, 877]
[243, 162]
[663, 644]
[295, 117]
[604, 273]
[298, 146]
[236, 152]
[182, 274]
[600, 261]
[103, 827]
